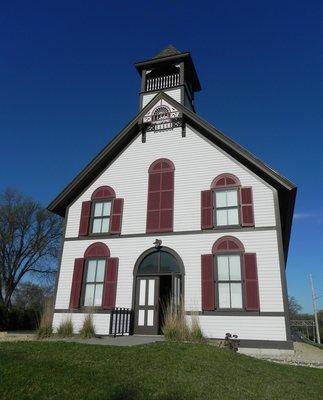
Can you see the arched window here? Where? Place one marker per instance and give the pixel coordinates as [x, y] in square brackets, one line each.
[159, 262]
[226, 204]
[103, 214]
[94, 280]
[229, 277]
[160, 205]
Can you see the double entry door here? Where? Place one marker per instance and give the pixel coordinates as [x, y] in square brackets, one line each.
[153, 293]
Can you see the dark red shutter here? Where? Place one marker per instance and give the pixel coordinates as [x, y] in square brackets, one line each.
[206, 209]
[116, 216]
[77, 283]
[251, 282]
[247, 217]
[85, 218]
[160, 201]
[208, 284]
[110, 283]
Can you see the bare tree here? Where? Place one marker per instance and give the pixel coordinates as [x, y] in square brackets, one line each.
[294, 308]
[29, 241]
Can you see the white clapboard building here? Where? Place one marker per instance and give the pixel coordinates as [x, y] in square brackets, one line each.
[172, 206]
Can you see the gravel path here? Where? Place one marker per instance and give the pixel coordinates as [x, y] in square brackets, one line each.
[304, 355]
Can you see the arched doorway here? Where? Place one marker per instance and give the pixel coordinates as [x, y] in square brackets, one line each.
[158, 279]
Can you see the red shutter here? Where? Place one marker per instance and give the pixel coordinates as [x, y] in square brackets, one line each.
[160, 202]
[247, 217]
[208, 284]
[206, 209]
[251, 282]
[77, 283]
[85, 218]
[116, 216]
[110, 283]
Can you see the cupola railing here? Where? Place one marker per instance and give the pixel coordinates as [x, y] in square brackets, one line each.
[162, 82]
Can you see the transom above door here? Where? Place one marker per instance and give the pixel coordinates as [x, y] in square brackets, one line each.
[159, 262]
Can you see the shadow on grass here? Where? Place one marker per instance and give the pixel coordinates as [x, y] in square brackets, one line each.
[130, 393]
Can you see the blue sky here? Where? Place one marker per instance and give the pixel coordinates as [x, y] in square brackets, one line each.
[68, 85]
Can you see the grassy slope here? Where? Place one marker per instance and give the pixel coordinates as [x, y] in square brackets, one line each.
[41, 370]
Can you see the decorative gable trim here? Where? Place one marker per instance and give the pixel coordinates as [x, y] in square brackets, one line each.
[286, 189]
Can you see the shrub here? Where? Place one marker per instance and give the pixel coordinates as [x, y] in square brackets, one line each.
[88, 330]
[231, 342]
[45, 328]
[65, 328]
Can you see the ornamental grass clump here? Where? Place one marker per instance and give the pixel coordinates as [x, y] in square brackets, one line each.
[45, 328]
[65, 328]
[196, 334]
[88, 330]
[176, 328]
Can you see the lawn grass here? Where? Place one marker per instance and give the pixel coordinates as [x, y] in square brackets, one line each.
[58, 370]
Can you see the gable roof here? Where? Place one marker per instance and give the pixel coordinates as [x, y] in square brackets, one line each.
[285, 188]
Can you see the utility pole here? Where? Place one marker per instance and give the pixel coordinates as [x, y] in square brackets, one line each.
[314, 298]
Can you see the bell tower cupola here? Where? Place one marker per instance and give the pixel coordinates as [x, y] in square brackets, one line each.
[172, 72]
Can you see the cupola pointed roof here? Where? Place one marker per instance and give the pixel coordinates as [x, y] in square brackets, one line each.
[169, 50]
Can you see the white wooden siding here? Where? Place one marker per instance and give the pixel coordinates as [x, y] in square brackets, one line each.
[189, 247]
[251, 328]
[100, 321]
[175, 94]
[197, 161]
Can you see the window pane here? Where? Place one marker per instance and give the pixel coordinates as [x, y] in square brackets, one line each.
[223, 268]
[100, 271]
[98, 209]
[168, 263]
[149, 264]
[89, 295]
[105, 225]
[96, 225]
[91, 266]
[232, 198]
[224, 295]
[98, 295]
[106, 208]
[221, 199]
[236, 295]
[235, 270]
[233, 216]
[221, 217]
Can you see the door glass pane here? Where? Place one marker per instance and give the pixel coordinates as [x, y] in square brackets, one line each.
[151, 292]
[141, 317]
[223, 268]
[235, 270]
[150, 318]
[98, 295]
[221, 217]
[168, 263]
[91, 266]
[89, 295]
[96, 225]
[236, 296]
[98, 209]
[142, 292]
[106, 208]
[224, 295]
[221, 199]
[232, 198]
[149, 265]
[233, 216]
[100, 271]
[105, 225]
